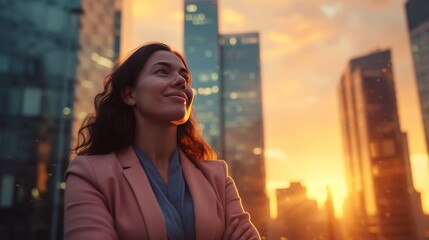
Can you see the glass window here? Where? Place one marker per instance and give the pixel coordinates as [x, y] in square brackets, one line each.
[8, 144]
[15, 101]
[6, 191]
[35, 12]
[388, 147]
[4, 63]
[17, 66]
[54, 62]
[32, 101]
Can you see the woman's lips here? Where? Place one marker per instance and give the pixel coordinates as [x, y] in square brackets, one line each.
[179, 96]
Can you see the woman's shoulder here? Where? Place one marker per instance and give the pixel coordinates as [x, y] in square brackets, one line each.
[214, 163]
[94, 159]
[93, 164]
[212, 167]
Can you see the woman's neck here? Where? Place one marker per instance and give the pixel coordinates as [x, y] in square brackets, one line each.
[158, 142]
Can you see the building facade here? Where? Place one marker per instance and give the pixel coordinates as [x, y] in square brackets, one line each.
[299, 217]
[382, 202]
[228, 104]
[99, 42]
[38, 53]
[202, 53]
[43, 56]
[418, 27]
[243, 121]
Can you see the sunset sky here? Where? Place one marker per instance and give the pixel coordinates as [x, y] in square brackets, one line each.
[305, 46]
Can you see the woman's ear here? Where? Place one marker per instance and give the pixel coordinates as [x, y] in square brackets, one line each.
[128, 96]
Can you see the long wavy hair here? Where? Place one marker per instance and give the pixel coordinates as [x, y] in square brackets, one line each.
[112, 127]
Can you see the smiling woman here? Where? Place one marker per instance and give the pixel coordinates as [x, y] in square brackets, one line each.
[143, 170]
[162, 93]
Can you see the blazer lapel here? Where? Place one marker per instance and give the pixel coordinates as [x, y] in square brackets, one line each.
[149, 207]
[203, 197]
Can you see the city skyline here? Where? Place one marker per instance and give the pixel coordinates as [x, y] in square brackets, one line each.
[304, 47]
[267, 83]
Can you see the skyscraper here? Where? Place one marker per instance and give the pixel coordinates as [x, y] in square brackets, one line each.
[418, 26]
[228, 103]
[243, 122]
[299, 217]
[37, 69]
[99, 48]
[382, 202]
[42, 52]
[203, 58]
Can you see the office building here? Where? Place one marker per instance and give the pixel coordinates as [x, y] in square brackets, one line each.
[203, 57]
[299, 217]
[99, 42]
[418, 27]
[382, 202]
[243, 121]
[228, 104]
[43, 56]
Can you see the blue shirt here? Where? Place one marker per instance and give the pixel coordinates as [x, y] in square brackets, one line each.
[173, 198]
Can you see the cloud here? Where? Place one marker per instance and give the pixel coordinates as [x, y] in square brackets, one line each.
[330, 10]
[296, 32]
[371, 4]
[178, 15]
[146, 9]
[419, 165]
[157, 21]
[276, 154]
[232, 17]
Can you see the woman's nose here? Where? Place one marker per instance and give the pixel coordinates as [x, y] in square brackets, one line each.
[179, 81]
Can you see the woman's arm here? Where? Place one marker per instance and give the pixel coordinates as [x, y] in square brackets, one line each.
[238, 224]
[235, 231]
[86, 215]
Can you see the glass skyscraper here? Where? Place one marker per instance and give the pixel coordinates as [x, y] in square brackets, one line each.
[382, 202]
[243, 135]
[228, 103]
[203, 58]
[38, 53]
[43, 54]
[418, 26]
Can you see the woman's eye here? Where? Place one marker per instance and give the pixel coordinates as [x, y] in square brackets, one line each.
[161, 71]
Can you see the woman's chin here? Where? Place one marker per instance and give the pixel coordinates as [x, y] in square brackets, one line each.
[178, 122]
[181, 120]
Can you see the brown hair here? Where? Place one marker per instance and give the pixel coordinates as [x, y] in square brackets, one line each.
[113, 125]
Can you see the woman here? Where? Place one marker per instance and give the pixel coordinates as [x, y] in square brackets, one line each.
[143, 170]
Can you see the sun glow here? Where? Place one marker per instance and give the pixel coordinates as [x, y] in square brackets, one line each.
[315, 190]
[419, 167]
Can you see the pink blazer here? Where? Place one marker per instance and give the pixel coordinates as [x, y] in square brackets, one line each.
[109, 197]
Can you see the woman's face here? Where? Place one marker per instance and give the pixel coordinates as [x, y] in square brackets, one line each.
[163, 90]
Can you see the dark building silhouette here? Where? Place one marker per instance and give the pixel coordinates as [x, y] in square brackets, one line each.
[418, 27]
[382, 202]
[299, 218]
[43, 52]
[228, 104]
[332, 223]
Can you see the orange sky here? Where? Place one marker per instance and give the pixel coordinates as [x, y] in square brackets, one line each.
[305, 45]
